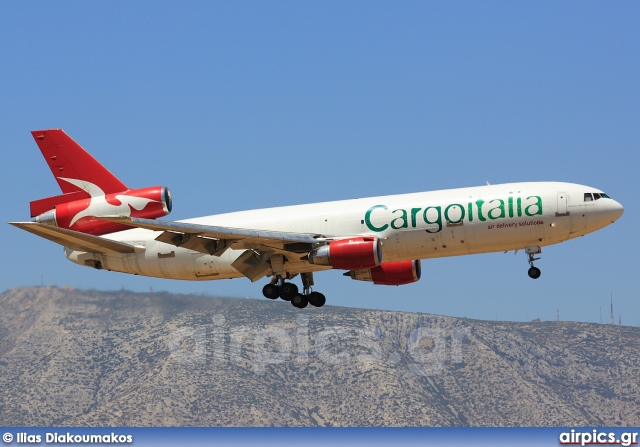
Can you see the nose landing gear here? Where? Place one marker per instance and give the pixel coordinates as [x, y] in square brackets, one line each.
[534, 272]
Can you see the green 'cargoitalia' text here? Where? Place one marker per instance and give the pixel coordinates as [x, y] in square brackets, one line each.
[454, 214]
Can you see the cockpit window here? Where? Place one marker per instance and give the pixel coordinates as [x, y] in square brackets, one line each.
[588, 197]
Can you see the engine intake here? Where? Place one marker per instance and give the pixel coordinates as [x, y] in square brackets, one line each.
[390, 273]
[349, 254]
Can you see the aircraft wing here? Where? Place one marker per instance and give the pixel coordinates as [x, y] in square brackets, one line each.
[76, 240]
[214, 240]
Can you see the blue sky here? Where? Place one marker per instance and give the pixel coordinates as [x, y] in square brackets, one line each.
[242, 105]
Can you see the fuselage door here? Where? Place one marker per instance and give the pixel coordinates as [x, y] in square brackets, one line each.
[562, 205]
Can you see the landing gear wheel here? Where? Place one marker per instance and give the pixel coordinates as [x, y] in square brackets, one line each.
[532, 251]
[288, 290]
[271, 291]
[316, 299]
[299, 301]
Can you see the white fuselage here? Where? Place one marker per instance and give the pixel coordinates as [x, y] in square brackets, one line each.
[410, 226]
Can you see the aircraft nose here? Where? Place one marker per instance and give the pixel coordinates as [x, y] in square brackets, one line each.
[614, 210]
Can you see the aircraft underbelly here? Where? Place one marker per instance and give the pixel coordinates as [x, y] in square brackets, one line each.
[171, 263]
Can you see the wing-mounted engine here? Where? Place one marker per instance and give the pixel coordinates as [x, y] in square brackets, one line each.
[80, 215]
[389, 273]
[348, 254]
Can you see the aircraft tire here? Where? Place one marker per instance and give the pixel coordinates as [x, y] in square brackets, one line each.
[271, 291]
[288, 290]
[317, 299]
[299, 301]
[534, 273]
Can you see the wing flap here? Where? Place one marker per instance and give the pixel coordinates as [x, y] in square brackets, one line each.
[253, 265]
[76, 240]
[195, 242]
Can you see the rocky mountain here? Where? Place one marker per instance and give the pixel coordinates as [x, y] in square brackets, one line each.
[88, 358]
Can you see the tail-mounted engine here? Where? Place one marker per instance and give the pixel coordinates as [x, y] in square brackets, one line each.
[389, 273]
[80, 215]
[349, 254]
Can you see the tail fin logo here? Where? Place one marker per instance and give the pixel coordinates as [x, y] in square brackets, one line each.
[99, 206]
[90, 188]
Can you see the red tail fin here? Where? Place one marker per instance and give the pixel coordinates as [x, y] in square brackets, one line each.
[90, 190]
[71, 165]
[67, 159]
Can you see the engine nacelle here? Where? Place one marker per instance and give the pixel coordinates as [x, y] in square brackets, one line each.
[349, 254]
[390, 273]
[79, 215]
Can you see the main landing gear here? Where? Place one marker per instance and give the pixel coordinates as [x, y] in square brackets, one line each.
[288, 291]
[534, 272]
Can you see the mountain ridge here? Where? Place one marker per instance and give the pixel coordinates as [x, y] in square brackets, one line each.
[89, 358]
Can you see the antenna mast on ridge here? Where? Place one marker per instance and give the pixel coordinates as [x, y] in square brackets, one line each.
[611, 321]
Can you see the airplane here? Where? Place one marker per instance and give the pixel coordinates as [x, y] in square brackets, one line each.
[104, 224]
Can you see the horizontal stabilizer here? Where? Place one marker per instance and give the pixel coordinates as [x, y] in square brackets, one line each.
[76, 240]
[40, 206]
